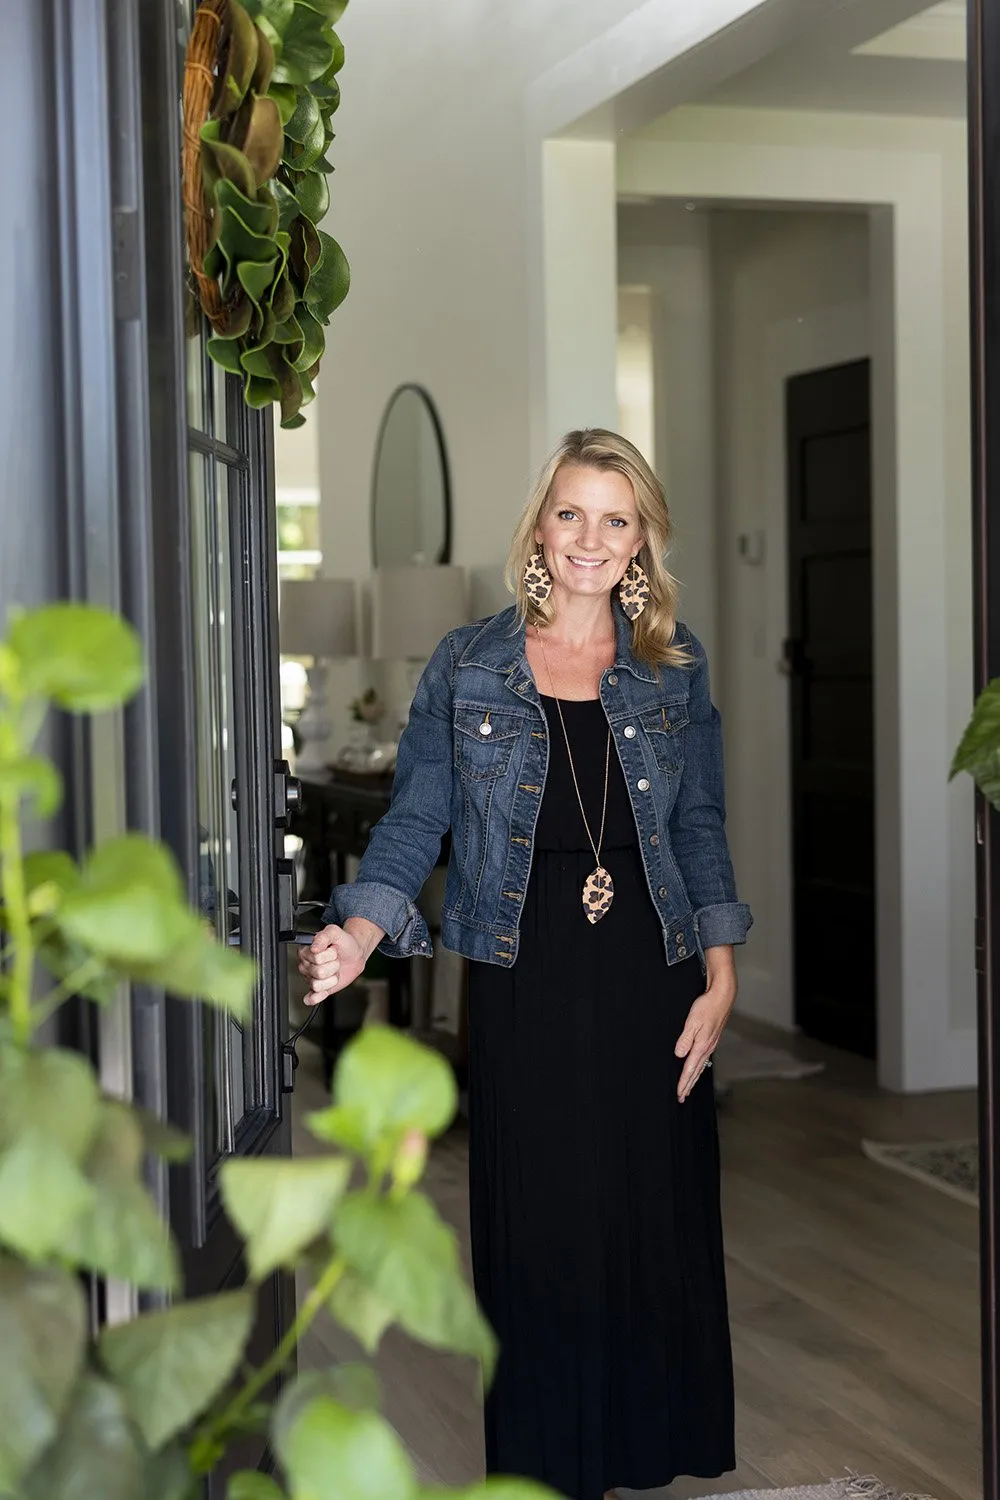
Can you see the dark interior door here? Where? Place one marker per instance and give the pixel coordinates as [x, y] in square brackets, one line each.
[828, 658]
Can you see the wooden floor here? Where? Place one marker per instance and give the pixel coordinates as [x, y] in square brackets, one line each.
[853, 1295]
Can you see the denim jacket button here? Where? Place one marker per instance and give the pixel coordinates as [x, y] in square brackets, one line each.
[643, 785]
[629, 732]
[654, 838]
[613, 679]
[662, 891]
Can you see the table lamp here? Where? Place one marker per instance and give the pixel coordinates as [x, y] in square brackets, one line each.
[317, 619]
[412, 608]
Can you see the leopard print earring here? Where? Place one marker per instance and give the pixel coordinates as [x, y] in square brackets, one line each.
[634, 591]
[537, 579]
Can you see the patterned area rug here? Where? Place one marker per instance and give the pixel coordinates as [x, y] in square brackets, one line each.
[738, 1059]
[851, 1487]
[951, 1166]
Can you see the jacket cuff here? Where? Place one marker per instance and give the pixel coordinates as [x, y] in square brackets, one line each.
[406, 933]
[728, 922]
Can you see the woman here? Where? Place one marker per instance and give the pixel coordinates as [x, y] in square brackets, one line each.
[571, 746]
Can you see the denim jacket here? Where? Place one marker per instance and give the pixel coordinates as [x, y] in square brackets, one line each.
[483, 777]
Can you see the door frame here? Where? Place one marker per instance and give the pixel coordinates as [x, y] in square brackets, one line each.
[175, 1068]
[984, 236]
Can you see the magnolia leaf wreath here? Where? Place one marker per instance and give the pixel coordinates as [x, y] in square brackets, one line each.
[260, 90]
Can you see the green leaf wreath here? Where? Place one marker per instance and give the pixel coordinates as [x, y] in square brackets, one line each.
[268, 278]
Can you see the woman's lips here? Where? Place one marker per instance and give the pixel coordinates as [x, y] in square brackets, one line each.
[593, 565]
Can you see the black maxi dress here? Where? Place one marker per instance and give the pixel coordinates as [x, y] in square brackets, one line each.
[594, 1195]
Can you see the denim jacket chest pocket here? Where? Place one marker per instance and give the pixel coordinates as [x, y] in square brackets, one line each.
[663, 728]
[484, 740]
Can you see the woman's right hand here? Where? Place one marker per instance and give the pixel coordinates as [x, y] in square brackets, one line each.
[333, 960]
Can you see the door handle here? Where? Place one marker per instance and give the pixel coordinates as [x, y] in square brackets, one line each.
[287, 793]
[290, 1053]
[286, 899]
[302, 938]
[794, 662]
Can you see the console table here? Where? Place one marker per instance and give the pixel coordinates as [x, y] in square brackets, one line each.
[337, 814]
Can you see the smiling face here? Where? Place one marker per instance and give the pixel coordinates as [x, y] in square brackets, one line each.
[589, 529]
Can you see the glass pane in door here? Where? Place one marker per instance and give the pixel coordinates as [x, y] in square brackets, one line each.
[218, 816]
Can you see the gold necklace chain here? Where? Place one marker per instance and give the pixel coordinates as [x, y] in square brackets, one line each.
[607, 759]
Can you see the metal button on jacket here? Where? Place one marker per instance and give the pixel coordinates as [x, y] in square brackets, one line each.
[629, 732]
[485, 728]
[613, 679]
[662, 891]
[643, 785]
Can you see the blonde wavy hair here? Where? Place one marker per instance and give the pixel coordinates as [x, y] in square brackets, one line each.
[597, 448]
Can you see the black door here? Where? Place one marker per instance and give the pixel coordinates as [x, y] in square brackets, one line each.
[170, 506]
[225, 1083]
[223, 790]
[829, 661]
[167, 491]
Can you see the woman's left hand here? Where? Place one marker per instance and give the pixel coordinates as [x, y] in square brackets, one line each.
[707, 1018]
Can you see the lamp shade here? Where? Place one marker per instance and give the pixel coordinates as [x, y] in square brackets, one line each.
[412, 608]
[488, 594]
[316, 617]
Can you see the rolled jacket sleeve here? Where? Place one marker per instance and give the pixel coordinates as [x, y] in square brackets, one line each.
[404, 845]
[698, 821]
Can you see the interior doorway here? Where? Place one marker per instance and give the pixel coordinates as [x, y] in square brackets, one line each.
[828, 659]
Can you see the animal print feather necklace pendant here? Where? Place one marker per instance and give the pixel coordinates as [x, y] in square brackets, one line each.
[598, 888]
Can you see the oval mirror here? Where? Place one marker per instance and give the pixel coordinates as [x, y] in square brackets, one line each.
[411, 501]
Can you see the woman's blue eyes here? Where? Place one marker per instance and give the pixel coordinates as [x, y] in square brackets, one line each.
[615, 520]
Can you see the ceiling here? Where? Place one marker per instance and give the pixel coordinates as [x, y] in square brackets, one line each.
[879, 57]
[937, 35]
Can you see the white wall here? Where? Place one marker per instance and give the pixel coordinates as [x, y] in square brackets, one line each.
[438, 202]
[634, 369]
[666, 248]
[296, 458]
[912, 174]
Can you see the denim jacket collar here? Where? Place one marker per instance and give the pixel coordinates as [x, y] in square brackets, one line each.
[500, 645]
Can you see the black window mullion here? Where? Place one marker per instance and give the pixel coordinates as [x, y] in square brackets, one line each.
[256, 666]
